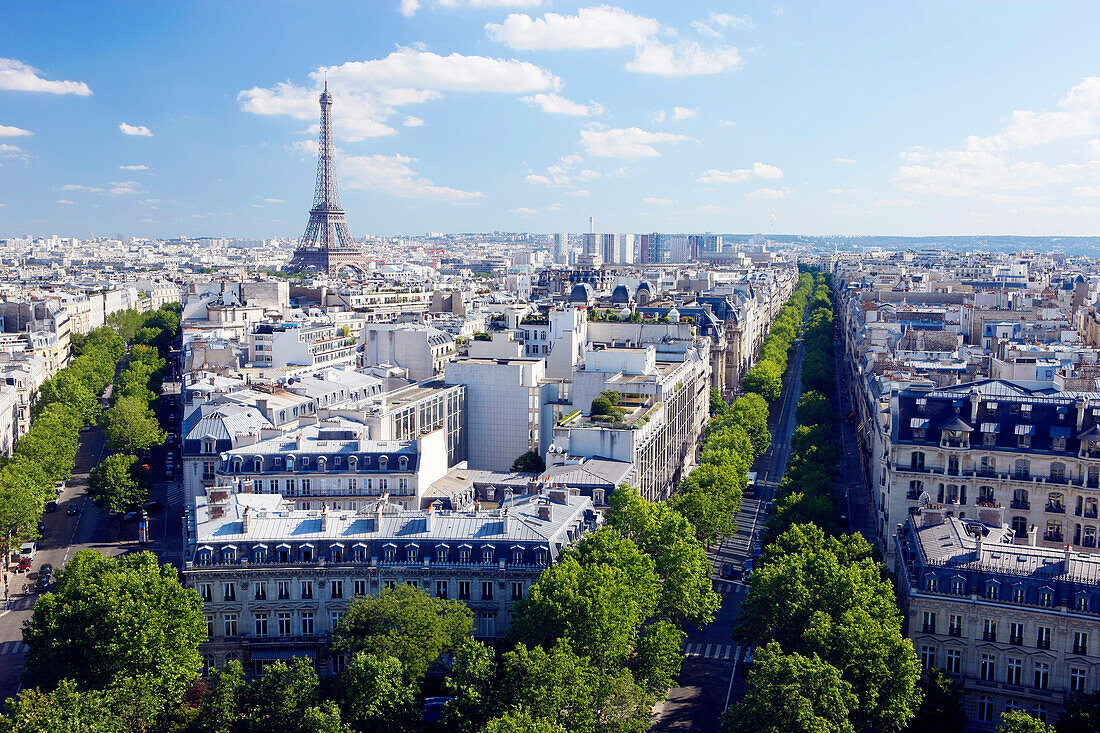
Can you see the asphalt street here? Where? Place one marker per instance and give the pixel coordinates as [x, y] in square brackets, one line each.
[710, 679]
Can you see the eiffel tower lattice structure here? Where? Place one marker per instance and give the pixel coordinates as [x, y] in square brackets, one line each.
[326, 246]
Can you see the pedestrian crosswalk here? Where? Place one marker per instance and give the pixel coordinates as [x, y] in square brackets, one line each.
[173, 493]
[712, 651]
[726, 588]
[12, 647]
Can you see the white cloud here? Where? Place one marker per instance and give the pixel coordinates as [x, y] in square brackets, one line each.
[1087, 190]
[64, 202]
[18, 76]
[522, 210]
[409, 7]
[133, 167]
[609, 27]
[9, 131]
[740, 175]
[1077, 116]
[578, 192]
[1093, 146]
[1071, 209]
[894, 202]
[7, 149]
[566, 173]
[657, 117]
[683, 113]
[274, 201]
[124, 188]
[654, 201]
[836, 191]
[138, 130]
[556, 104]
[367, 93]
[848, 161]
[79, 187]
[727, 123]
[392, 174]
[631, 142]
[412, 121]
[599, 27]
[768, 193]
[973, 173]
[721, 20]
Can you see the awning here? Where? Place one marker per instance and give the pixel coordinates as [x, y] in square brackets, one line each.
[956, 424]
[919, 422]
[1059, 432]
[273, 654]
[1025, 430]
[991, 427]
[1091, 434]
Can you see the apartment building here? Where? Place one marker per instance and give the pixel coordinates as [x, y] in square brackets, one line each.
[276, 579]
[302, 346]
[1017, 625]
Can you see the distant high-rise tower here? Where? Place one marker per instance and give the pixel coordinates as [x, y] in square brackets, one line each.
[326, 245]
[558, 248]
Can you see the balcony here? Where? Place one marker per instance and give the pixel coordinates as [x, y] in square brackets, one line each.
[1055, 508]
[1021, 505]
[1052, 537]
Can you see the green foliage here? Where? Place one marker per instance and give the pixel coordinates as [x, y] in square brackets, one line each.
[765, 379]
[792, 692]
[710, 496]
[286, 699]
[471, 683]
[64, 710]
[131, 426]
[718, 405]
[112, 486]
[377, 697]
[407, 624]
[521, 721]
[1081, 715]
[814, 408]
[1020, 722]
[941, 706]
[110, 619]
[602, 405]
[529, 462]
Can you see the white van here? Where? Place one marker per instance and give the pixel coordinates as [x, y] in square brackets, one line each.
[27, 551]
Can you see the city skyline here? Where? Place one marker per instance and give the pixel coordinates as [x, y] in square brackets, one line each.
[532, 116]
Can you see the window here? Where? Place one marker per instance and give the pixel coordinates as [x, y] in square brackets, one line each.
[441, 589]
[989, 666]
[992, 591]
[464, 555]
[487, 555]
[337, 589]
[1019, 528]
[464, 590]
[517, 591]
[1042, 637]
[1056, 502]
[205, 592]
[1082, 603]
[207, 446]
[927, 657]
[986, 495]
[1058, 472]
[209, 626]
[307, 589]
[1018, 594]
[1093, 477]
[1076, 679]
[1046, 598]
[916, 460]
[284, 589]
[334, 619]
[284, 623]
[1054, 531]
[1039, 712]
[1016, 633]
[985, 709]
[1042, 675]
[391, 552]
[1022, 468]
[337, 554]
[261, 625]
[954, 661]
[958, 586]
[259, 555]
[207, 664]
[989, 630]
[360, 588]
[1080, 642]
[307, 623]
[441, 554]
[307, 554]
[411, 552]
[517, 556]
[1015, 671]
[389, 584]
[487, 591]
[954, 625]
[929, 625]
[486, 622]
[229, 592]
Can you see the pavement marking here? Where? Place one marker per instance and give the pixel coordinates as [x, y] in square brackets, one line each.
[707, 654]
[13, 647]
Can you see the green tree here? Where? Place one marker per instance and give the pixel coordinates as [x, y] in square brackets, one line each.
[126, 323]
[24, 489]
[1081, 715]
[111, 484]
[286, 699]
[471, 684]
[110, 619]
[68, 389]
[1020, 722]
[52, 442]
[520, 721]
[765, 379]
[529, 462]
[658, 657]
[750, 412]
[718, 405]
[791, 693]
[709, 497]
[406, 623]
[219, 711]
[597, 595]
[130, 426]
[941, 706]
[64, 710]
[814, 408]
[377, 697]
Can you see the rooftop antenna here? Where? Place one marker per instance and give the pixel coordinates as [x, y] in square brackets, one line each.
[326, 80]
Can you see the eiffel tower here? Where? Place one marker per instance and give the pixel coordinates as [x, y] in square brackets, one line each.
[326, 245]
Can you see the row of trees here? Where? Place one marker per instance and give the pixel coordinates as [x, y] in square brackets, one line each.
[766, 378]
[47, 452]
[830, 654]
[130, 426]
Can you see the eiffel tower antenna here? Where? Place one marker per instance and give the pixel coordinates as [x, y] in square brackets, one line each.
[326, 245]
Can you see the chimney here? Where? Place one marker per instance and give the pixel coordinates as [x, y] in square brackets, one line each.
[974, 400]
[978, 545]
[1081, 405]
[1031, 535]
[428, 517]
[324, 517]
[1068, 557]
[506, 521]
[245, 519]
[544, 512]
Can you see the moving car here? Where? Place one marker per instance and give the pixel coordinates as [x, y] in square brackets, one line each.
[726, 571]
[45, 577]
[72, 510]
[747, 569]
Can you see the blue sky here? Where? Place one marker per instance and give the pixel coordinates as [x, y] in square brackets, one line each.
[194, 118]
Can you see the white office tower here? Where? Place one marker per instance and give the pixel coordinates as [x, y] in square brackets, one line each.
[558, 248]
[714, 243]
[626, 249]
[679, 248]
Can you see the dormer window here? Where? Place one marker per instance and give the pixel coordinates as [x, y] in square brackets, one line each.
[208, 445]
[922, 404]
[383, 461]
[257, 464]
[487, 555]
[403, 463]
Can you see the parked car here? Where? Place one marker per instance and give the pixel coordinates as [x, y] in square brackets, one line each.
[726, 571]
[757, 548]
[746, 570]
[41, 528]
[129, 516]
[433, 708]
[51, 507]
[746, 662]
[152, 506]
[768, 507]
